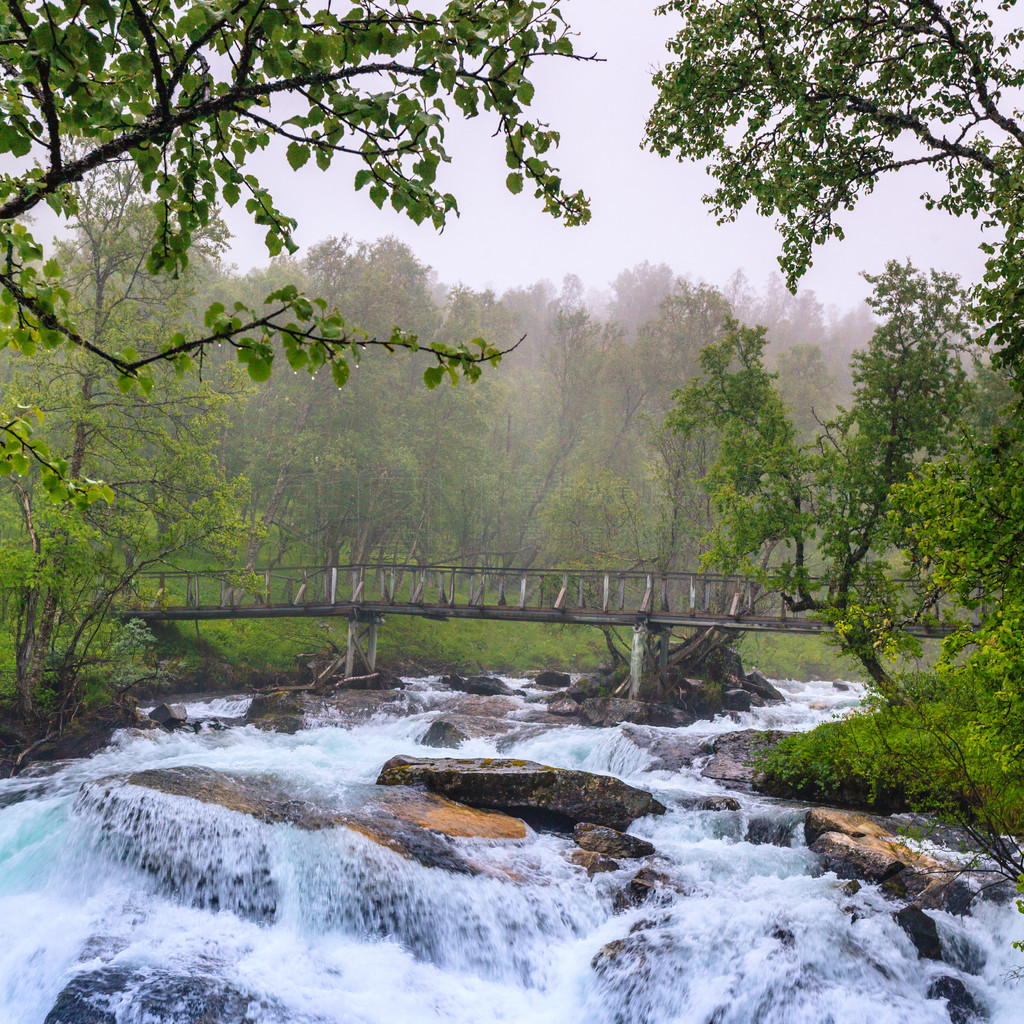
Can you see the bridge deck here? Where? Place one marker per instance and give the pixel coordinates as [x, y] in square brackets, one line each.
[660, 601]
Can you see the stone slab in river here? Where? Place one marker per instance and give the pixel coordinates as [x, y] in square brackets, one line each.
[565, 796]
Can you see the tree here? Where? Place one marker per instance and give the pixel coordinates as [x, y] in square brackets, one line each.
[812, 519]
[802, 108]
[157, 454]
[189, 92]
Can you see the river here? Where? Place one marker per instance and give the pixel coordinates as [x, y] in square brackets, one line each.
[271, 924]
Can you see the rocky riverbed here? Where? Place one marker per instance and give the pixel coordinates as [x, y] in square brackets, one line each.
[477, 852]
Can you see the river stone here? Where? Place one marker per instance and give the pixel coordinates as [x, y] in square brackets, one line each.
[452, 730]
[552, 680]
[525, 788]
[733, 754]
[868, 858]
[820, 820]
[960, 1004]
[103, 996]
[278, 711]
[736, 700]
[606, 712]
[594, 862]
[922, 931]
[648, 884]
[170, 716]
[473, 705]
[611, 843]
[482, 686]
[757, 683]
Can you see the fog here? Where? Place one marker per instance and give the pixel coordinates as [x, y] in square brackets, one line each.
[644, 207]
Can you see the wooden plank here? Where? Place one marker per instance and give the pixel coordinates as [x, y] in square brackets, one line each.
[560, 600]
[501, 591]
[417, 594]
[693, 594]
[645, 604]
[522, 594]
[301, 594]
[733, 611]
[334, 585]
[604, 599]
[357, 594]
[622, 593]
[580, 602]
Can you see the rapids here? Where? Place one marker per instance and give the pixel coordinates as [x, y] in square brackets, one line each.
[213, 916]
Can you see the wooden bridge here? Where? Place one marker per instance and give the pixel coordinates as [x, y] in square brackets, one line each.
[650, 602]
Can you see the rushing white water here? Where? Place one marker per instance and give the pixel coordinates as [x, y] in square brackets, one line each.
[167, 911]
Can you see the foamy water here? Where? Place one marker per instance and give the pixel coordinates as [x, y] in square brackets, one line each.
[161, 900]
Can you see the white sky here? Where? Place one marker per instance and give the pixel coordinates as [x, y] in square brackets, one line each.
[644, 207]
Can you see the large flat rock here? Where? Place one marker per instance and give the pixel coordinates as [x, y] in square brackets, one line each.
[566, 797]
[416, 825]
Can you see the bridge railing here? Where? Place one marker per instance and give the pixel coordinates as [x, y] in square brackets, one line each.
[440, 586]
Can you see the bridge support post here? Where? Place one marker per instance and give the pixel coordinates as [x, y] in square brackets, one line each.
[636, 660]
[362, 630]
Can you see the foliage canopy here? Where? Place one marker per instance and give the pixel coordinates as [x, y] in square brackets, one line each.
[190, 92]
[802, 108]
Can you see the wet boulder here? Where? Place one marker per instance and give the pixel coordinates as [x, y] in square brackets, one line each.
[111, 994]
[607, 712]
[564, 708]
[482, 686]
[734, 754]
[169, 716]
[592, 862]
[760, 685]
[870, 859]
[924, 881]
[855, 824]
[551, 680]
[610, 842]
[473, 705]
[648, 885]
[277, 711]
[453, 730]
[736, 700]
[922, 931]
[559, 796]
[960, 1004]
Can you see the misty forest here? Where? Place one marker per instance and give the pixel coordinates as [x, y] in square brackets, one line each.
[377, 646]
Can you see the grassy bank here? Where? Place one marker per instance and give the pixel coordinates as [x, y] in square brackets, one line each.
[272, 646]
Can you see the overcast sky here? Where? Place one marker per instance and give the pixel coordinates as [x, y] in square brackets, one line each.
[644, 207]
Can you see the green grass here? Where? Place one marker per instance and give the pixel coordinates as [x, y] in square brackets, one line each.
[796, 656]
[272, 645]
